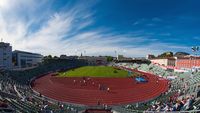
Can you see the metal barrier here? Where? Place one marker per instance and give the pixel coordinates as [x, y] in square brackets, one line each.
[192, 111]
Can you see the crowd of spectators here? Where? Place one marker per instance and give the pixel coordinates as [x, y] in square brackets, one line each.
[183, 93]
[17, 96]
[174, 104]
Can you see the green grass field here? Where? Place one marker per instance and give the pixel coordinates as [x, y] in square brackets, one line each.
[94, 71]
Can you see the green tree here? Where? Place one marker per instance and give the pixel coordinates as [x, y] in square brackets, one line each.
[46, 58]
[165, 55]
[109, 58]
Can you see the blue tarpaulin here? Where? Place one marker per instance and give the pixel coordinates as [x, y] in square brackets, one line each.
[140, 79]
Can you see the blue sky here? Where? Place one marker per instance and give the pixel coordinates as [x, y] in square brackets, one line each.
[131, 27]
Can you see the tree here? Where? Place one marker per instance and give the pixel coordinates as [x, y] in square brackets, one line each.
[55, 57]
[166, 54]
[49, 57]
[109, 58]
[46, 58]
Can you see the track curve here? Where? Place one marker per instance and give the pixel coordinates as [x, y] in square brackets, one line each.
[122, 90]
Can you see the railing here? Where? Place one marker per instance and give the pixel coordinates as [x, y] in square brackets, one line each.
[192, 111]
[6, 94]
[15, 88]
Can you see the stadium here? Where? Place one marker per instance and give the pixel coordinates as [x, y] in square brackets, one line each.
[62, 86]
[99, 56]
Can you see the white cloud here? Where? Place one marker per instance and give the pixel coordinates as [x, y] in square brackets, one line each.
[136, 23]
[165, 34]
[196, 38]
[39, 29]
[156, 19]
[140, 21]
[150, 24]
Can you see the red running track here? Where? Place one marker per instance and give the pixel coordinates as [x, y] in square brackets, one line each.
[122, 90]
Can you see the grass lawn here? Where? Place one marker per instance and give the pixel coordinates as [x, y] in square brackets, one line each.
[94, 71]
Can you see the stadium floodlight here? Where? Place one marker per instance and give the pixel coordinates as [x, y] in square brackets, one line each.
[195, 48]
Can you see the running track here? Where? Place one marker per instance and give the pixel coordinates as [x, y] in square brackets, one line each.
[122, 90]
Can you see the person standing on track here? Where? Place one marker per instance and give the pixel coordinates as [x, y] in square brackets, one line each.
[74, 82]
[108, 89]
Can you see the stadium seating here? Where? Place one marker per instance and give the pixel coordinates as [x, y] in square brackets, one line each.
[184, 84]
[16, 83]
[14, 87]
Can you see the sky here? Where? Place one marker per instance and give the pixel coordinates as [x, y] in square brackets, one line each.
[133, 28]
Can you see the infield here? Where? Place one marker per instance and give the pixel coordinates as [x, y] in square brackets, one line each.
[94, 71]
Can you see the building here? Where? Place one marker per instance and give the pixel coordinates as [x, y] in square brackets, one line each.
[5, 56]
[63, 56]
[68, 57]
[188, 62]
[122, 58]
[164, 61]
[94, 60]
[22, 59]
[149, 56]
[119, 57]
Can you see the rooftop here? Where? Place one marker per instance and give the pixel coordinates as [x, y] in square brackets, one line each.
[18, 51]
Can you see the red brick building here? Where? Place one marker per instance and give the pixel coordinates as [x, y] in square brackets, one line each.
[188, 62]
